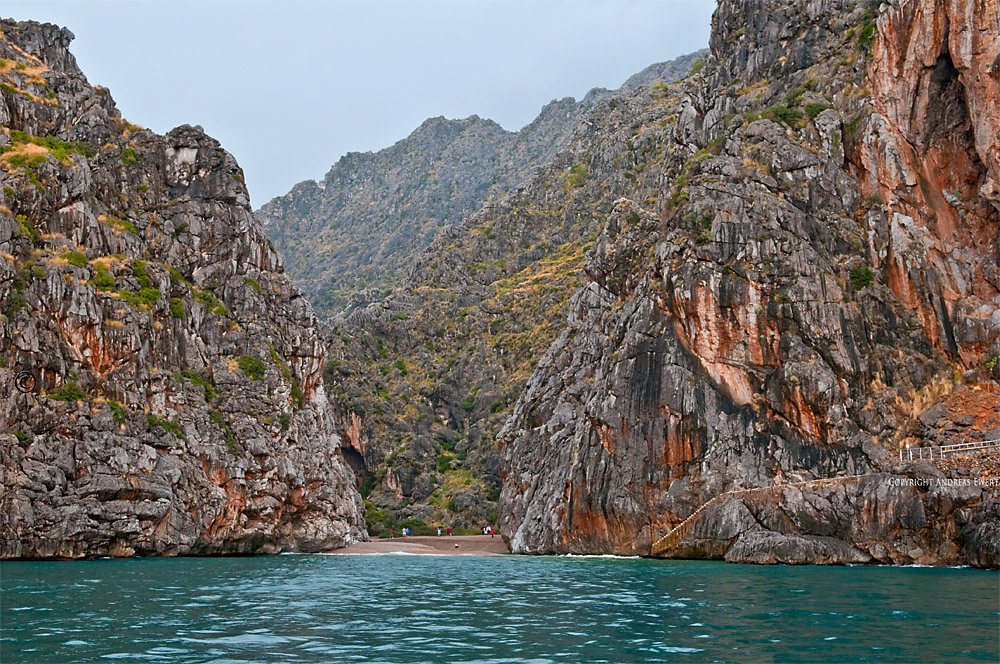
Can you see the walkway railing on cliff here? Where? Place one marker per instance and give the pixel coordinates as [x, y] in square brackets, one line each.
[932, 452]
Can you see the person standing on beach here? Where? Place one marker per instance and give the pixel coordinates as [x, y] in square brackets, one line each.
[439, 531]
[390, 533]
[449, 531]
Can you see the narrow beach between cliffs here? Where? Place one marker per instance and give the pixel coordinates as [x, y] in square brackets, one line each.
[479, 545]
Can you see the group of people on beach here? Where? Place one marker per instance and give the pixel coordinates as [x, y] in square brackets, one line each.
[486, 530]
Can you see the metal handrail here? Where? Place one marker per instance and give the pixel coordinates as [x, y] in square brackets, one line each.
[942, 450]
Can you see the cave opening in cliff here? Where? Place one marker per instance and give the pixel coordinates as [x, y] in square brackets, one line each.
[946, 140]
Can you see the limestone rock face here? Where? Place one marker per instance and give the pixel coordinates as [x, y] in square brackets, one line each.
[424, 377]
[350, 237]
[179, 405]
[818, 269]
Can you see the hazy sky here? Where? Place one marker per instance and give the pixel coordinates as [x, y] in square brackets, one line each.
[289, 87]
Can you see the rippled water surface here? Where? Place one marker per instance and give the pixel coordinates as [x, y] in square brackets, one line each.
[398, 608]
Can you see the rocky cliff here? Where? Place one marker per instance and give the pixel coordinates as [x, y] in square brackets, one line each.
[816, 272]
[178, 403]
[423, 378]
[427, 376]
[352, 236]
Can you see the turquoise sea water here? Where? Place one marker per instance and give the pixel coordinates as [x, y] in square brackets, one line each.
[404, 608]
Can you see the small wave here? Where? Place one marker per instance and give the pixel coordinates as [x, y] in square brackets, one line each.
[597, 555]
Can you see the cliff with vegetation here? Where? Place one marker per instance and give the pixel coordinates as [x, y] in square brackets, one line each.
[178, 403]
[422, 379]
[349, 238]
[813, 285]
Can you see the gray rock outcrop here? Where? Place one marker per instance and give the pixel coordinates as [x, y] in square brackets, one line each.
[179, 406]
[797, 294]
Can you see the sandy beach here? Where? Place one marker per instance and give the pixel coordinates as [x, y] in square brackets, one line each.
[481, 545]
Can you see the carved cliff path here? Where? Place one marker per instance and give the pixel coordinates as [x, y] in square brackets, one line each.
[683, 529]
[678, 534]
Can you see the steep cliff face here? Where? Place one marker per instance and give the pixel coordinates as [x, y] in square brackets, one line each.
[351, 237]
[424, 377]
[819, 268]
[178, 406]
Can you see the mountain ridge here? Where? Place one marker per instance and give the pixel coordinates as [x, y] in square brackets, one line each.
[395, 200]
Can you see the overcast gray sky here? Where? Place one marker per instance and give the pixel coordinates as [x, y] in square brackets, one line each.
[289, 87]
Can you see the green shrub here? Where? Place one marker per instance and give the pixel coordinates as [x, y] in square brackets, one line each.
[577, 176]
[175, 275]
[253, 367]
[196, 378]
[867, 33]
[252, 284]
[76, 259]
[812, 110]
[118, 411]
[496, 407]
[177, 308]
[285, 420]
[128, 156]
[68, 392]
[297, 395]
[367, 486]
[697, 65]
[417, 527]
[139, 272]
[122, 224]
[379, 523]
[861, 277]
[401, 367]
[103, 279]
[205, 297]
[444, 463]
[169, 426]
[28, 229]
[788, 115]
[148, 296]
[632, 217]
[14, 303]
[24, 439]
[57, 147]
[227, 432]
[209, 300]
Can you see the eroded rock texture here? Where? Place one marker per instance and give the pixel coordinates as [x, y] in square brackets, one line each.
[179, 407]
[424, 377]
[819, 268]
[354, 235]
